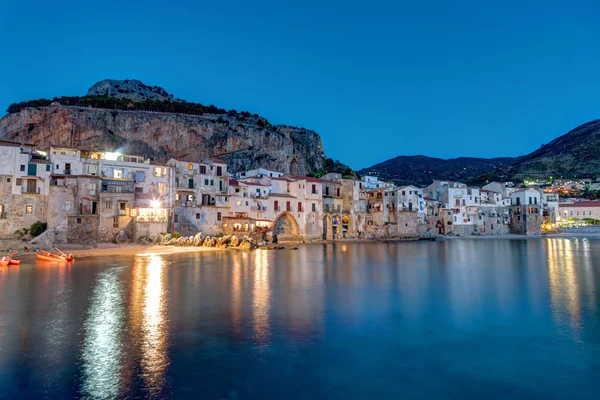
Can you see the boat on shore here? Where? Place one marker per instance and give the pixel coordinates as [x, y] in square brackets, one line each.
[9, 260]
[51, 257]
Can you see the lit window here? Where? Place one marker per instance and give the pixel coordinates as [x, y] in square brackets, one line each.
[28, 209]
[238, 203]
[190, 167]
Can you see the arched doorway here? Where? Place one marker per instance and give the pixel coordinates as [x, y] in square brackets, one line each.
[286, 227]
[346, 226]
[336, 223]
[327, 228]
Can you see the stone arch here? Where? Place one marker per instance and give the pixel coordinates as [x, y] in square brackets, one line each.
[286, 227]
[327, 228]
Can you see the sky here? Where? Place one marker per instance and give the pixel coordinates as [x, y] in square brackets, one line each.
[375, 79]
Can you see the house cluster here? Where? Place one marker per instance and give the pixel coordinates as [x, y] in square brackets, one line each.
[89, 195]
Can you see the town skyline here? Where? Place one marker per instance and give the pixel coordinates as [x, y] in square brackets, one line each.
[503, 92]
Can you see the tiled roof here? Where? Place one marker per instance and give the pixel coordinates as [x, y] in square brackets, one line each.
[233, 182]
[580, 204]
[252, 183]
[282, 195]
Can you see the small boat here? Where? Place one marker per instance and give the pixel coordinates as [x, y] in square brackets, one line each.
[12, 261]
[4, 261]
[47, 256]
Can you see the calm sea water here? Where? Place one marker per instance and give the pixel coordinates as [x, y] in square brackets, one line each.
[494, 319]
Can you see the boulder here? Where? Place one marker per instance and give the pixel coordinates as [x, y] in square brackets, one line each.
[234, 241]
[197, 240]
[122, 237]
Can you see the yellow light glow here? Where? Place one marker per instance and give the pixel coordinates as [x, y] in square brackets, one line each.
[155, 204]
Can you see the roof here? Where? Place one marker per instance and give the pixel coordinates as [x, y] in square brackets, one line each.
[429, 199]
[282, 195]
[311, 179]
[233, 182]
[581, 204]
[252, 183]
[11, 143]
[282, 178]
[75, 176]
[216, 160]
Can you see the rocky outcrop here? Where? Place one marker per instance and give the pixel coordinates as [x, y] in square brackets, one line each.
[131, 89]
[221, 242]
[245, 141]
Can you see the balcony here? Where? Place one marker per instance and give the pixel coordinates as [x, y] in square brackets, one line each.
[67, 172]
[30, 190]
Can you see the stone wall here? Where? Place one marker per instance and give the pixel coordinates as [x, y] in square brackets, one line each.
[15, 216]
[524, 223]
[407, 223]
[82, 229]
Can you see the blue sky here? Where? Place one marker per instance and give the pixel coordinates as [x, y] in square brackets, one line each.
[376, 79]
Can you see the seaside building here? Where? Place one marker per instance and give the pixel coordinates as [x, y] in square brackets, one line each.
[24, 187]
[525, 212]
[107, 196]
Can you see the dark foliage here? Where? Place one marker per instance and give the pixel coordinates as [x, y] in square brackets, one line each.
[37, 228]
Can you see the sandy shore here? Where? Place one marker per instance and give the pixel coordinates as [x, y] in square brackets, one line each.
[110, 249]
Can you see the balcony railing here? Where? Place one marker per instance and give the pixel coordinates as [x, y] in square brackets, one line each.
[26, 190]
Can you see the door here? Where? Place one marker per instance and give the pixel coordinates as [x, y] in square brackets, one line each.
[31, 185]
[276, 205]
[32, 169]
[220, 185]
[94, 207]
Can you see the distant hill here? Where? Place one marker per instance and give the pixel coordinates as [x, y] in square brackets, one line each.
[421, 170]
[573, 155]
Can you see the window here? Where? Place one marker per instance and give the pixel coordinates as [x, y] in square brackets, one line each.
[22, 168]
[203, 169]
[19, 181]
[177, 197]
[238, 203]
[1, 209]
[299, 207]
[116, 222]
[139, 189]
[314, 207]
[108, 205]
[206, 182]
[218, 216]
[175, 218]
[162, 187]
[47, 167]
[197, 214]
[78, 221]
[314, 189]
[117, 173]
[212, 183]
[190, 168]
[219, 171]
[122, 205]
[28, 209]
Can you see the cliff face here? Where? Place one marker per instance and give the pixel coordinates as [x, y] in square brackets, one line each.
[244, 145]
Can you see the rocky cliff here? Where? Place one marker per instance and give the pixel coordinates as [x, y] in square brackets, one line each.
[131, 89]
[245, 141]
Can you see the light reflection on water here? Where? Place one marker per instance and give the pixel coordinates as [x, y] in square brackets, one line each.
[102, 346]
[456, 319]
[261, 297]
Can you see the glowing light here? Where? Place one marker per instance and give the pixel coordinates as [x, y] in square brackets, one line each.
[261, 294]
[111, 156]
[155, 204]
